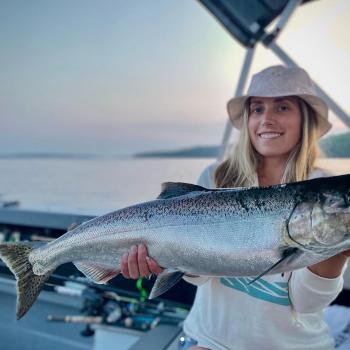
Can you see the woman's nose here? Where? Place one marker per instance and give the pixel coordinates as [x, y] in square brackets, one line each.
[268, 117]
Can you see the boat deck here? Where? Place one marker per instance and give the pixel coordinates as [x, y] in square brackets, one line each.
[33, 331]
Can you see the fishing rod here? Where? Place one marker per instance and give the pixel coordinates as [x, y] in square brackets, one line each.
[119, 294]
[107, 305]
[103, 307]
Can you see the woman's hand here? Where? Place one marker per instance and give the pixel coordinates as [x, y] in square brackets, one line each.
[136, 263]
[332, 267]
[346, 253]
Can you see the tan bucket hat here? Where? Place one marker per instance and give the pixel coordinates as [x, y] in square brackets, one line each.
[277, 81]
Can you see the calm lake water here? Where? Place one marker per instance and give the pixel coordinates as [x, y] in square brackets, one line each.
[93, 186]
[96, 186]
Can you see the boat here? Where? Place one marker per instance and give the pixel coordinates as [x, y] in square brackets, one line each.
[98, 316]
[8, 203]
[71, 313]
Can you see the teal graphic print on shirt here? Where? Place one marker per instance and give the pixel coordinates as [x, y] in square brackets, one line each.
[275, 292]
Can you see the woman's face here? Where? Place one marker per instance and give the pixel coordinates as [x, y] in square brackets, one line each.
[274, 125]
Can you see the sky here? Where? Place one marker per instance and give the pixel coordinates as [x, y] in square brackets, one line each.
[116, 77]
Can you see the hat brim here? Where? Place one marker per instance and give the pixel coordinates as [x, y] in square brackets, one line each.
[236, 104]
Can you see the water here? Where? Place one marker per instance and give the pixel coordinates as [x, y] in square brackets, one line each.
[91, 186]
[97, 186]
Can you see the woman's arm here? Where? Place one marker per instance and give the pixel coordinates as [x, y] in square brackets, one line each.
[313, 288]
[332, 267]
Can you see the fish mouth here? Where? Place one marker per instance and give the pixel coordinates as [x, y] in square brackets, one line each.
[268, 135]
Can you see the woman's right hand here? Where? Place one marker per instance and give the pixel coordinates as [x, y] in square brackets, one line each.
[136, 263]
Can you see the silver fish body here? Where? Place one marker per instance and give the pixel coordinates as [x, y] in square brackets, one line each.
[213, 232]
[222, 232]
[203, 233]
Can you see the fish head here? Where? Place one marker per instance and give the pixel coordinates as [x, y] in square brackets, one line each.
[322, 223]
[331, 219]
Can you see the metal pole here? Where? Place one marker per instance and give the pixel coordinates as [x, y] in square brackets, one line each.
[338, 111]
[239, 91]
[284, 18]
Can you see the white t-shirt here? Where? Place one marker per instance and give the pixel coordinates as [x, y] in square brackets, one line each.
[229, 313]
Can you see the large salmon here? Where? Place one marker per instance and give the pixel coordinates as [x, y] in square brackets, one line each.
[193, 230]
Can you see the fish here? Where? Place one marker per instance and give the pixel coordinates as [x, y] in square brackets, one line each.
[196, 231]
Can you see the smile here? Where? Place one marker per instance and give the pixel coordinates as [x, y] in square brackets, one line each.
[269, 135]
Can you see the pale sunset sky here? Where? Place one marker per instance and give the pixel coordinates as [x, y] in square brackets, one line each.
[116, 77]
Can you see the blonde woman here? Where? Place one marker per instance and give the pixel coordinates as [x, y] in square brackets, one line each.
[280, 120]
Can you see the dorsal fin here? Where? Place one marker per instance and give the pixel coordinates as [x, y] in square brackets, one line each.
[72, 226]
[176, 189]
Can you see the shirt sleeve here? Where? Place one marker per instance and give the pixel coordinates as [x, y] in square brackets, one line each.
[206, 178]
[319, 172]
[309, 292]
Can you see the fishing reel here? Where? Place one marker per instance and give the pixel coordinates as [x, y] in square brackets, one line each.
[107, 307]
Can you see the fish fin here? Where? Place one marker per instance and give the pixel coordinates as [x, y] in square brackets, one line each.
[286, 254]
[29, 285]
[165, 280]
[176, 189]
[97, 272]
[72, 226]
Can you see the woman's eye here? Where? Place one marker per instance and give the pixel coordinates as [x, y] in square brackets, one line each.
[283, 108]
[256, 110]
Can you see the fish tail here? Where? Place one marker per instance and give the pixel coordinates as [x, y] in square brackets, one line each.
[29, 285]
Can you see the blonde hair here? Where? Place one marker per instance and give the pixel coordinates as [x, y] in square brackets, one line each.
[239, 169]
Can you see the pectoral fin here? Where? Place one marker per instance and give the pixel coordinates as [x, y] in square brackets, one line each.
[286, 254]
[97, 272]
[165, 280]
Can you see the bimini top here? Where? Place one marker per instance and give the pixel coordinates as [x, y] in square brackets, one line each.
[246, 20]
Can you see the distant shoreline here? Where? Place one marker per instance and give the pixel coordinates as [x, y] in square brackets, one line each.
[333, 146]
[191, 152]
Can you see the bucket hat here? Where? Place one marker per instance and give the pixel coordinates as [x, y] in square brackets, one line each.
[277, 81]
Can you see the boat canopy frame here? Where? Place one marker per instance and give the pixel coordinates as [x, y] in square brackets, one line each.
[246, 21]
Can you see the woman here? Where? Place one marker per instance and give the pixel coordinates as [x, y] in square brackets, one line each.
[280, 119]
